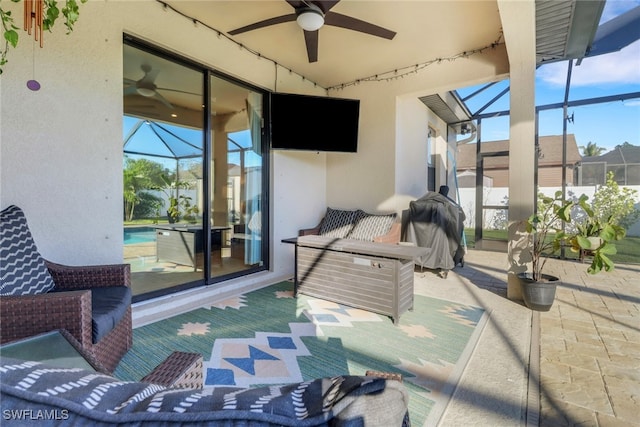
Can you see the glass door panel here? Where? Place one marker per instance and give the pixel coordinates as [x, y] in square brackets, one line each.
[162, 171]
[236, 178]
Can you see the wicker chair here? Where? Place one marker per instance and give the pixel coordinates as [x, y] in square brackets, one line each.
[68, 305]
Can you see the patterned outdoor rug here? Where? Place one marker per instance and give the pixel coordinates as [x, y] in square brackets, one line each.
[269, 337]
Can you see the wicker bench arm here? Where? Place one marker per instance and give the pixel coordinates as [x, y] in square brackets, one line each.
[83, 277]
[27, 315]
[180, 369]
[310, 231]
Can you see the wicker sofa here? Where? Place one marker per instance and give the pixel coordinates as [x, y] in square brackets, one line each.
[78, 397]
[358, 225]
[93, 303]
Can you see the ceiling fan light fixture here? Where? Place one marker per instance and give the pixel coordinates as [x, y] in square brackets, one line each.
[145, 91]
[310, 19]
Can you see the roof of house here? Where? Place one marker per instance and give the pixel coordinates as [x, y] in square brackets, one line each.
[620, 155]
[550, 152]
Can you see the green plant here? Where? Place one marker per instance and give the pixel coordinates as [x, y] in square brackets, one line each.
[139, 175]
[51, 13]
[615, 205]
[548, 229]
[179, 204]
[594, 235]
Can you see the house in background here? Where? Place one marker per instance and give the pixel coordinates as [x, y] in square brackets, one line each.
[496, 167]
[623, 161]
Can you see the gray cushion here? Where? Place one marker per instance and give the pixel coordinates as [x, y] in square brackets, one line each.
[337, 223]
[368, 226]
[108, 306]
[22, 270]
[88, 398]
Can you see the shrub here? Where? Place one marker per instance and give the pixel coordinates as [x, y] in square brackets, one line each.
[614, 204]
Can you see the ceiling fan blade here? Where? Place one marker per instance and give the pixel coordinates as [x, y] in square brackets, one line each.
[354, 24]
[162, 99]
[325, 5]
[129, 81]
[311, 40]
[130, 90]
[265, 23]
[178, 91]
[149, 75]
[295, 3]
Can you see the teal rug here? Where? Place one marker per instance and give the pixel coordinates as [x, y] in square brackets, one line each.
[269, 337]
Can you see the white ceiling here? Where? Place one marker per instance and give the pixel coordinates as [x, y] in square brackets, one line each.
[426, 30]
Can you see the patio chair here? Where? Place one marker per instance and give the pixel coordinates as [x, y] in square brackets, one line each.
[93, 303]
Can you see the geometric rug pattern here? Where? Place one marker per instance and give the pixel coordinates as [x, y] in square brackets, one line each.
[269, 337]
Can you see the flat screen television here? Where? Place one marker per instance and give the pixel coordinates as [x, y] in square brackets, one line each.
[314, 123]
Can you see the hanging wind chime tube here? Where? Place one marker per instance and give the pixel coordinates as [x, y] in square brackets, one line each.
[33, 17]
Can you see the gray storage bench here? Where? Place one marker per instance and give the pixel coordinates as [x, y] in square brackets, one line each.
[372, 276]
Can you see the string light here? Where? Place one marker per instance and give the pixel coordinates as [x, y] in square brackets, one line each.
[220, 35]
[400, 73]
[388, 76]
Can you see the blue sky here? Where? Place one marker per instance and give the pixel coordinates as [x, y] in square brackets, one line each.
[608, 124]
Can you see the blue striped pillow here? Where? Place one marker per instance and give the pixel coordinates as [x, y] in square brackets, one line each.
[22, 270]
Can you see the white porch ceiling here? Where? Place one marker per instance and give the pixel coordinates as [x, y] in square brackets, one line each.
[426, 30]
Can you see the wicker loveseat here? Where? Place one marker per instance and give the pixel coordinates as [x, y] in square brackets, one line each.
[77, 397]
[93, 303]
[358, 225]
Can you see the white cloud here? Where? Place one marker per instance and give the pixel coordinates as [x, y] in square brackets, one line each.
[618, 68]
[613, 8]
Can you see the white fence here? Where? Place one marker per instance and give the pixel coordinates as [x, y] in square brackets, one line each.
[496, 219]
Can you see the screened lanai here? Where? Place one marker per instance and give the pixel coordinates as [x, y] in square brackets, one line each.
[565, 114]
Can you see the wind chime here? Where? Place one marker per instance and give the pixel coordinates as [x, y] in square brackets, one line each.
[33, 18]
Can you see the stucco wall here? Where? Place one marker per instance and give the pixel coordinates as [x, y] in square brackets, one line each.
[61, 147]
[389, 168]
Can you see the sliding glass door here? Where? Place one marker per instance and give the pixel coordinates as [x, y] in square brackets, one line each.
[192, 173]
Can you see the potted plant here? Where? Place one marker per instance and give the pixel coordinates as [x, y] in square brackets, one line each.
[547, 227]
[594, 236]
[180, 205]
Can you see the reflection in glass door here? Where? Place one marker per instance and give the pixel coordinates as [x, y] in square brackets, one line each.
[236, 177]
[175, 236]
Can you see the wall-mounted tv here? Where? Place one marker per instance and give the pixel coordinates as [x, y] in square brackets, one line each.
[314, 123]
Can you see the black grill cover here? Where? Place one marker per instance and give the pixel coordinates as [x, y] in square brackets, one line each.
[436, 222]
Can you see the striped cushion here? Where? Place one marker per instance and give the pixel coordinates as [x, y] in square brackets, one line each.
[22, 270]
[337, 223]
[368, 226]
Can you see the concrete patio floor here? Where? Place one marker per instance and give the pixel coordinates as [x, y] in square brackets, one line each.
[577, 364]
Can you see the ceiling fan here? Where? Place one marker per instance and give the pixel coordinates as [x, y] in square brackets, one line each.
[147, 87]
[311, 15]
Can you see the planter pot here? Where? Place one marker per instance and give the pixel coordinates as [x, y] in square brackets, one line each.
[595, 241]
[538, 295]
[170, 218]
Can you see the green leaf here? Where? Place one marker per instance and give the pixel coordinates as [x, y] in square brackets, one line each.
[596, 265]
[608, 249]
[608, 264]
[11, 36]
[583, 242]
[564, 213]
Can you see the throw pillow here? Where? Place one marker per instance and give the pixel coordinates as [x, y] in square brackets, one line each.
[337, 223]
[22, 270]
[369, 226]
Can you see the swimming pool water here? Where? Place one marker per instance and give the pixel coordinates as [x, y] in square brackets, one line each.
[134, 235]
